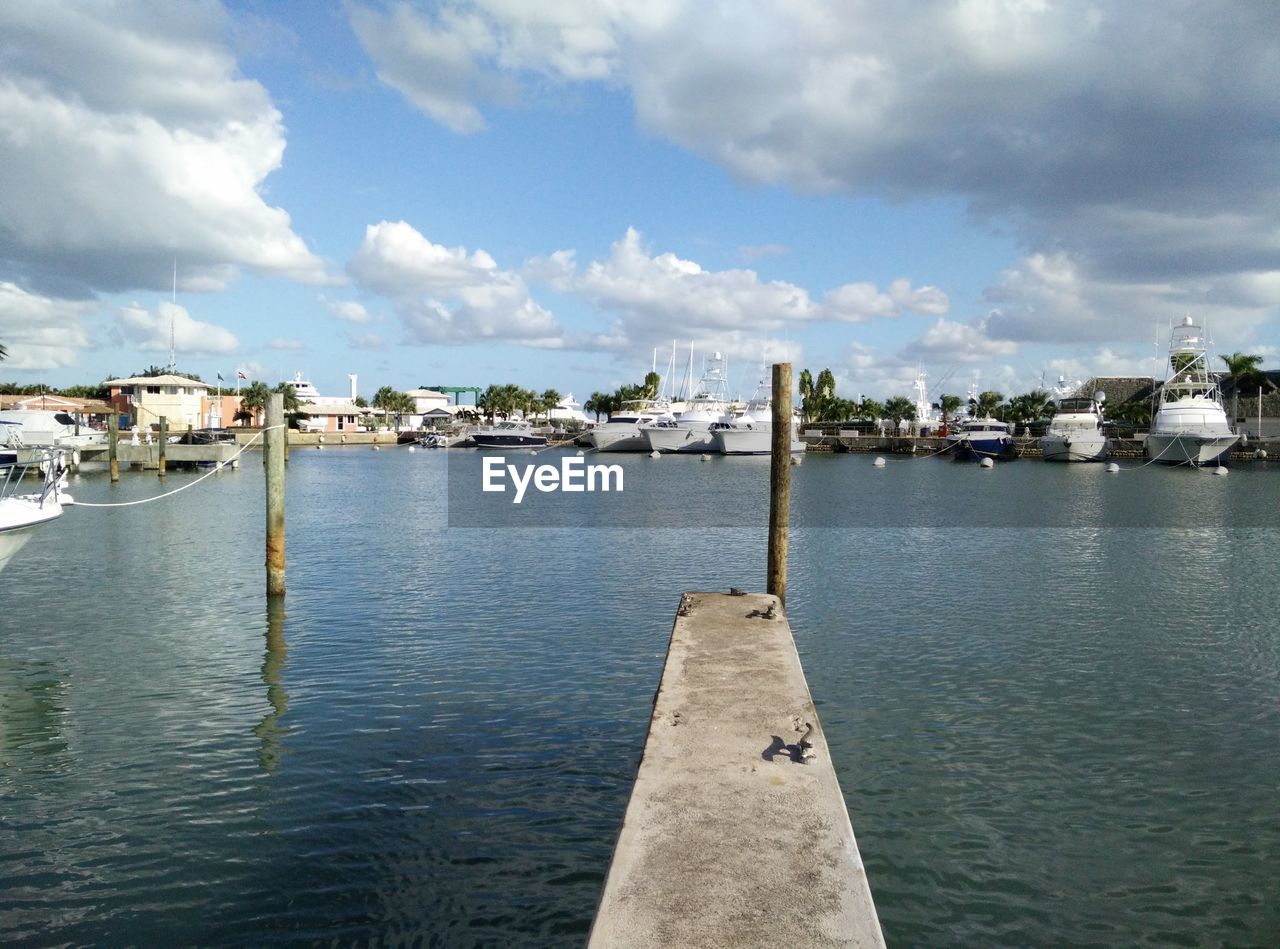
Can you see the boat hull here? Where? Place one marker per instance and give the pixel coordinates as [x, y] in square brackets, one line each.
[509, 441]
[749, 442]
[605, 439]
[19, 516]
[1082, 446]
[681, 439]
[967, 448]
[1188, 448]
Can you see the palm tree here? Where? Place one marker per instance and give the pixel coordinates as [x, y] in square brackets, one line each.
[599, 403]
[1245, 374]
[253, 400]
[806, 396]
[949, 405]
[987, 404]
[550, 399]
[899, 408]
[385, 399]
[871, 411]
[3, 353]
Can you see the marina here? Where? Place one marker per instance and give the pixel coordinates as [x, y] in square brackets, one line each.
[436, 738]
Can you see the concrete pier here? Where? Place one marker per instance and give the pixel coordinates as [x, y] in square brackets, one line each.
[736, 833]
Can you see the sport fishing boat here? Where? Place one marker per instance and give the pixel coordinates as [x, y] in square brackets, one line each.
[47, 428]
[691, 430]
[751, 433]
[981, 438]
[513, 433]
[20, 514]
[1076, 431]
[624, 431]
[1190, 426]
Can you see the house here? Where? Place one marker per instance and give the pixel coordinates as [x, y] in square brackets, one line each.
[144, 400]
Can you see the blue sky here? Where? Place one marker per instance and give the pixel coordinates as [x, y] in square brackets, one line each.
[489, 192]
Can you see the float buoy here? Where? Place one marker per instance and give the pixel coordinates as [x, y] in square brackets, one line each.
[878, 463]
[1113, 467]
[706, 457]
[1220, 470]
[655, 454]
[986, 463]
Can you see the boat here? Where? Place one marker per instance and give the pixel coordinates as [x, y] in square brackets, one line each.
[432, 440]
[751, 433]
[690, 431]
[1190, 425]
[624, 430]
[46, 428]
[513, 433]
[1076, 431]
[21, 514]
[981, 438]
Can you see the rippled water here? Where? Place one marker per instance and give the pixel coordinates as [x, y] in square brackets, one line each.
[1044, 735]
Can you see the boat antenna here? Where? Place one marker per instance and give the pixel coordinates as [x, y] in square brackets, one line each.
[173, 362]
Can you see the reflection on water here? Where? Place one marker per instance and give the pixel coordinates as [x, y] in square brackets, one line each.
[1038, 731]
[269, 730]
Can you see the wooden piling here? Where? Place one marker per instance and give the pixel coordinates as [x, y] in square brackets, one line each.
[273, 452]
[780, 482]
[113, 439]
[164, 438]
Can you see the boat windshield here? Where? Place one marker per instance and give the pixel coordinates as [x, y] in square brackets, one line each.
[1074, 405]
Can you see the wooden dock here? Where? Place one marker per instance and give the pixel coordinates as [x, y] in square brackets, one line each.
[736, 833]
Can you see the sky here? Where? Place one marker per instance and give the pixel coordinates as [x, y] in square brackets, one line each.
[992, 192]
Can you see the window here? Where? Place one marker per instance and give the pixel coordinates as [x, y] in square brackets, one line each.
[153, 390]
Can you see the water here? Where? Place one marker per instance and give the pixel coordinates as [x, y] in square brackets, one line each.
[1044, 734]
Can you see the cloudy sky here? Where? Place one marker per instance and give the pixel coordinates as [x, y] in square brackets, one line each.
[544, 193]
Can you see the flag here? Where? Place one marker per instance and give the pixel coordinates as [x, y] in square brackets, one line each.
[240, 374]
[220, 377]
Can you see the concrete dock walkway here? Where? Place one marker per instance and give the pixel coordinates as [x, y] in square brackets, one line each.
[736, 833]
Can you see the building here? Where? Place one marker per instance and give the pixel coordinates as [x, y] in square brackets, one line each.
[144, 400]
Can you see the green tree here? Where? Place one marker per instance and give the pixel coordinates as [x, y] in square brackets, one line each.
[649, 389]
[949, 405]
[4, 354]
[600, 403]
[1028, 407]
[899, 408]
[253, 401]
[550, 399]
[1245, 375]
[986, 405]
[806, 396]
[870, 410]
[384, 399]
[361, 402]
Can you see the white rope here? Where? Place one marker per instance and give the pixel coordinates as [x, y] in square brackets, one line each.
[189, 484]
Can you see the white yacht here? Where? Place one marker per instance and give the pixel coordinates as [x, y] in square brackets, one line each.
[624, 429]
[20, 514]
[690, 431]
[1190, 424]
[751, 433]
[1076, 431]
[41, 428]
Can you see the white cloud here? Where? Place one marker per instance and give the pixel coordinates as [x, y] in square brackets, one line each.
[285, 344]
[948, 341]
[1136, 142]
[41, 333]
[348, 311]
[447, 295]
[152, 331]
[129, 139]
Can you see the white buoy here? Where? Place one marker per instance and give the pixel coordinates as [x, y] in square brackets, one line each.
[987, 463]
[879, 463]
[706, 457]
[411, 448]
[655, 454]
[1260, 454]
[796, 459]
[581, 453]
[1113, 467]
[1220, 470]
[377, 448]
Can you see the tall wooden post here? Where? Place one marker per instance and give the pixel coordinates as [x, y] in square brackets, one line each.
[113, 439]
[780, 481]
[273, 452]
[164, 438]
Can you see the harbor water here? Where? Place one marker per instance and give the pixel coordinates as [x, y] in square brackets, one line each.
[1049, 728]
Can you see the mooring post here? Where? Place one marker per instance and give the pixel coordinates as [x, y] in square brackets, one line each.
[113, 438]
[164, 437]
[273, 452]
[780, 482]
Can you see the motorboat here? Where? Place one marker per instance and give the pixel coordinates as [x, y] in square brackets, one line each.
[21, 514]
[513, 433]
[46, 428]
[432, 440]
[751, 433]
[1076, 431]
[624, 431]
[981, 438]
[690, 431]
[1190, 424]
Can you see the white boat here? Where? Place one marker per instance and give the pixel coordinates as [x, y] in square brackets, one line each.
[981, 438]
[624, 430]
[1076, 431]
[751, 433]
[20, 514]
[690, 431]
[46, 428]
[513, 433]
[568, 410]
[1190, 425]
